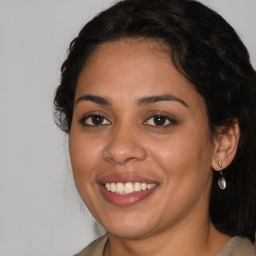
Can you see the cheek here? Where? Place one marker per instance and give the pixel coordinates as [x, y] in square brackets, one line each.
[184, 156]
[84, 155]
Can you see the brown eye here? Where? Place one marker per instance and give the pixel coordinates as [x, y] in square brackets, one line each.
[159, 120]
[95, 120]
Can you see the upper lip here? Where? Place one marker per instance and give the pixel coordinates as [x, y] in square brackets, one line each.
[124, 178]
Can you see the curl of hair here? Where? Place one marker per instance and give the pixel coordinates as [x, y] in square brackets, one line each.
[207, 51]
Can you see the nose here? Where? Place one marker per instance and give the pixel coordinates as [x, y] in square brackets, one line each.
[124, 146]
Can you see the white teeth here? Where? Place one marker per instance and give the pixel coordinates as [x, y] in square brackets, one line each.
[137, 186]
[108, 186]
[119, 188]
[127, 188]
[143, 186]
[149, 186]
[113, 187]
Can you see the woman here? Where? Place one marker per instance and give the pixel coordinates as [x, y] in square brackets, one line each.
[158, 99]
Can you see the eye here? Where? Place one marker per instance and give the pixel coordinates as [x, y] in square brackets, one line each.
[94, 120]
[159, 120]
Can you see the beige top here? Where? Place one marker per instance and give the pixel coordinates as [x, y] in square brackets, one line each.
[237, 246]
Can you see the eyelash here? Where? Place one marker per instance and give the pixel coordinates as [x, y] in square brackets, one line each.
[104, 121]
[90, 117]
[164, 117]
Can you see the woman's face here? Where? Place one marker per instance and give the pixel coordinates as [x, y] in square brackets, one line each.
[140, 130]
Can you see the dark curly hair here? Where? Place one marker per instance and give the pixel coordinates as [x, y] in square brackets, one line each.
[207, 51]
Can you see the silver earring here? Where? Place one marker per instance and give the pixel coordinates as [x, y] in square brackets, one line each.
[221, 181]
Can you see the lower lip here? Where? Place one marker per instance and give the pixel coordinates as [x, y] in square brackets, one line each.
[125, 200]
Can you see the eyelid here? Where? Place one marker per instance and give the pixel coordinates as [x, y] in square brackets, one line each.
[90, 115]
[171, 120]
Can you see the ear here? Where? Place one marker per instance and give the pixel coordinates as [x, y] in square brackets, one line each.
[225, 145]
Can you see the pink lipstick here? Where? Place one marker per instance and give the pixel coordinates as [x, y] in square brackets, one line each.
[126, 190]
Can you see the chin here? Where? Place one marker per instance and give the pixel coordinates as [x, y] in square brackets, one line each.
[130, 232]
[131, 226]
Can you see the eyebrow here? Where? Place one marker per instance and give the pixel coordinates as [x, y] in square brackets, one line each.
[96, 99]
[157, 98]
[142, 101]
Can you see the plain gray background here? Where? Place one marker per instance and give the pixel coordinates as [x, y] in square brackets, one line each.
[40, 211]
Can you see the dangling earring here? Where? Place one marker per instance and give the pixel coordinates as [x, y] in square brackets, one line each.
[221, 181]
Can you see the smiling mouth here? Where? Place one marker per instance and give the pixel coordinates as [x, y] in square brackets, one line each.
[128, 188]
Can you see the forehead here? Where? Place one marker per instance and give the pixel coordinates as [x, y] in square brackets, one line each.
[132, 68]
[135, 45]
[131, 52]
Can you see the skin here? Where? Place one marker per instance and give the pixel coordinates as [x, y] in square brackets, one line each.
[178, 155]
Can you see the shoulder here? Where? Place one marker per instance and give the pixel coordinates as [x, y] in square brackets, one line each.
[238, 246]
[95, 248]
